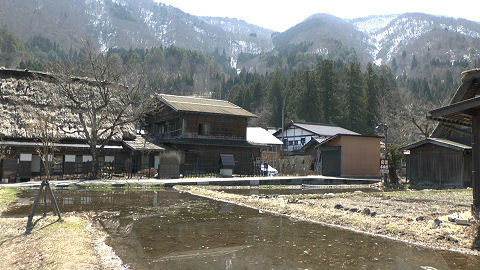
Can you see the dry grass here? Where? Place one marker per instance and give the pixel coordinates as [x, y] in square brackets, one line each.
[396, 213]
[66, 244]
[7, 195]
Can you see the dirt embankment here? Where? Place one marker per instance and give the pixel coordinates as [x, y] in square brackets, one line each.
[68, 244]
[414, 216]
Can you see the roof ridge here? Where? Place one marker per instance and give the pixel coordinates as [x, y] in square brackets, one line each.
[318, 124]
[201, 98]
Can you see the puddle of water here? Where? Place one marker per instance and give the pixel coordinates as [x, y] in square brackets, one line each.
[170, 230]
[293, 191]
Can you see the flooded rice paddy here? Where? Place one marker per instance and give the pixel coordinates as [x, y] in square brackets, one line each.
[165, 229]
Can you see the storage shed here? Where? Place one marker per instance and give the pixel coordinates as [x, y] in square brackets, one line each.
[346, 155]
[440, 162]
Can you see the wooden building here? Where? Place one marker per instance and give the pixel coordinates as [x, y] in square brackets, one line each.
[439, 162]
[446, 157]
[201, 130]
[298, 134]
[22, 94]
[463, 114]
[349, 155]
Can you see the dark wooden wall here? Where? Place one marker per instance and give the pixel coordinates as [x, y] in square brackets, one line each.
[219, 125]
[199, 159]
[433, 164]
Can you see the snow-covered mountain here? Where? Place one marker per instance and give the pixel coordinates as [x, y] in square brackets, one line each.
[130, 23]
[145, 23]
[389, 35]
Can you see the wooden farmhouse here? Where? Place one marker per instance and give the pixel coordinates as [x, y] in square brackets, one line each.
[348, 155]
[463, 114]
[23, 94]
[201, 130]
[446, 157]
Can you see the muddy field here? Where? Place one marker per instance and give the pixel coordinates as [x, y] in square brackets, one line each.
[415, 216]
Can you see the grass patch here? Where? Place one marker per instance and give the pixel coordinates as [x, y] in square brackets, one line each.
[8, 195]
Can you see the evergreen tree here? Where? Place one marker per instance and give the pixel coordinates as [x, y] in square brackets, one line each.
[309, 109]
[327, 81]
[276, 93]
[354, 115]
[371, 100]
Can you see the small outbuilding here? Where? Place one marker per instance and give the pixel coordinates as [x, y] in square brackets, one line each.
[440, 162]
[351, 155]
[270, 146]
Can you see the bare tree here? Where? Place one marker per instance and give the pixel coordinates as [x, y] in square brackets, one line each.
[416, 111]
[44, 130]
[106, 103]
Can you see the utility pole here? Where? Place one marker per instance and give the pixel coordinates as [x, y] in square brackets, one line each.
[283, 126]
[385, 130]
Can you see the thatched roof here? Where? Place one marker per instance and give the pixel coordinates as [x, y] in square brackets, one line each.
[469, 88]
[26, 94]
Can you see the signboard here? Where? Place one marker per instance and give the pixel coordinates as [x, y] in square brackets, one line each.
[406, 152]
[384, 165]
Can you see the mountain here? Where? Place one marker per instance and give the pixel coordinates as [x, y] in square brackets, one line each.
[130, 24]
[382, 38]
[390, 35]
[325, 34]
[414, 45]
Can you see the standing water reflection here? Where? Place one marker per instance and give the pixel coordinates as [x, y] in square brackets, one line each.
[165, 229]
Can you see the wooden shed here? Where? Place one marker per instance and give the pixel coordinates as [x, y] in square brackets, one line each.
[440, 162]
[351, 155]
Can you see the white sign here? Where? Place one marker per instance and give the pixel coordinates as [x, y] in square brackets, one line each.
[25, 157]
[69, 158]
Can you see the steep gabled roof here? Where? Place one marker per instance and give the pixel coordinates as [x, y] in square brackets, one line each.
[468, 89]
[203, 105]
[319, 129]
[23, 94]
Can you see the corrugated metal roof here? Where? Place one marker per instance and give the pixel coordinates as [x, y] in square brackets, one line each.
[143, 144]
[258, 135]
[324, 129]
[203, 105]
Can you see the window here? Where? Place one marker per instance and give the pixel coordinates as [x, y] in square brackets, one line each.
[203, 129]
[290, 142]
[296, 142]
[302, 141]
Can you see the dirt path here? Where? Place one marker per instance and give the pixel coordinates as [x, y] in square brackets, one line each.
[69, 244]
[418, 217]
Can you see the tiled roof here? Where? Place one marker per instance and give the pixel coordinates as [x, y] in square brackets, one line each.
[203, 105]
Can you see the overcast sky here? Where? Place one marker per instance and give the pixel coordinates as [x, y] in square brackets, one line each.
[279, 15]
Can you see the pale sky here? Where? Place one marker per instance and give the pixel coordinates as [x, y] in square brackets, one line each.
[280, 15]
